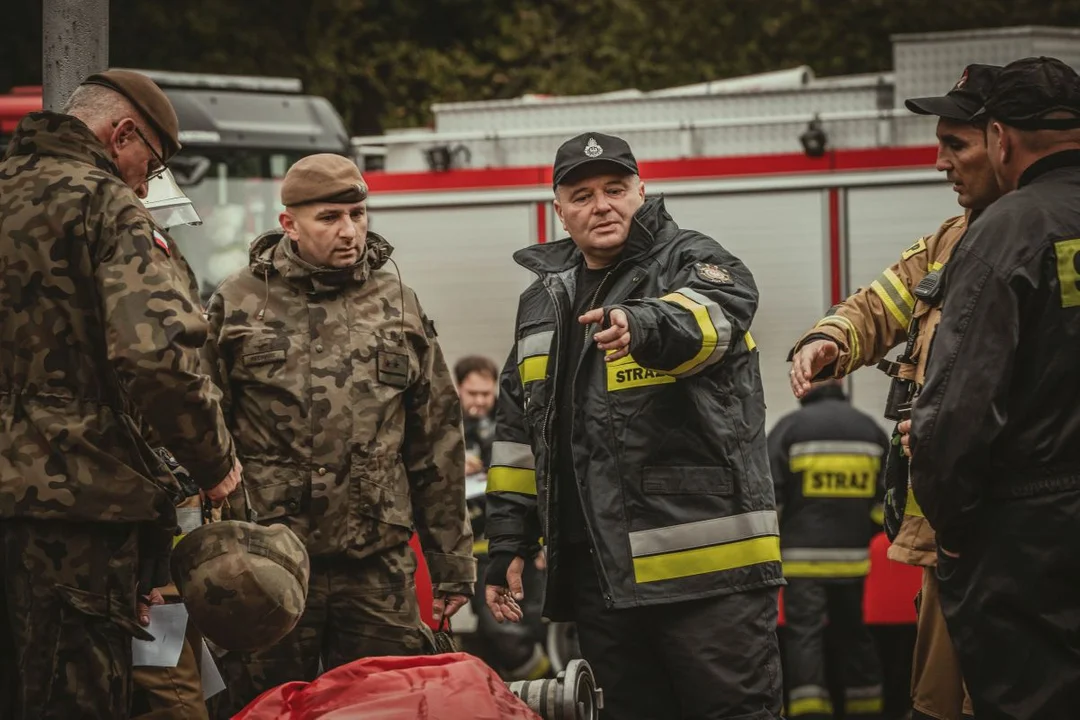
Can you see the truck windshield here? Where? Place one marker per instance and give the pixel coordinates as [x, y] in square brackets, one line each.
[236, 193]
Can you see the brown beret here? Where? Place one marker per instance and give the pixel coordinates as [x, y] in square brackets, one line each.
[325, 177]
[148, 99]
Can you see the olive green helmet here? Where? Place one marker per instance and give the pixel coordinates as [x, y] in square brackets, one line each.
[245, 585]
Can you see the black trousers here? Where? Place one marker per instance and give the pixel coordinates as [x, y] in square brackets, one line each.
[696, 660]
[809, 605]
[1012, 604]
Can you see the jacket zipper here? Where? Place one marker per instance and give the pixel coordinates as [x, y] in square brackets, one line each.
[547, 419]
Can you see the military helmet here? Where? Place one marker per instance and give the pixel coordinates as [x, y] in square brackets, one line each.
[245, 585]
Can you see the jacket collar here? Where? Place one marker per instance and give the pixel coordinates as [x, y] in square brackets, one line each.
[273, 253]
[57, 135]
[649, 230]
[1063, 159]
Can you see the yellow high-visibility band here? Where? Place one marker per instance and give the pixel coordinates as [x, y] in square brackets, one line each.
[827, 569]
[809, 706]
[511, 479]
[699, 561]
[533, 368]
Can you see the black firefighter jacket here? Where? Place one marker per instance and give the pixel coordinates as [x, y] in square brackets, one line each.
[999, 416]
[669, 449]
[827, 466]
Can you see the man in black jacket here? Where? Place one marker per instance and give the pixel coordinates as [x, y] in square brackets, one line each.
[827, 462]
[996, 432]
[630, 440]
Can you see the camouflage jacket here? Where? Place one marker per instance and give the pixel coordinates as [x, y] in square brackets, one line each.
[97, 339]
[342, 406]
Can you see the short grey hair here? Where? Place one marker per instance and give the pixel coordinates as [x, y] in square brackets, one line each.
[97, 104]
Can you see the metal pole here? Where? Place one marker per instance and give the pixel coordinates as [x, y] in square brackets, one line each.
[75, 43]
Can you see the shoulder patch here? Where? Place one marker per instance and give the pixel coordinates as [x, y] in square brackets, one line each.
[918, 247]
[161, 242]
[429, 327]
[713, 274]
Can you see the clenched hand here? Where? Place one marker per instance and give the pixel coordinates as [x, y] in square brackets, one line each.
[616, 337]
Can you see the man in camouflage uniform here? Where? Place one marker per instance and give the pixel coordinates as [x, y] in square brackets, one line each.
[861, 330]
[349, 427]
[97, 341]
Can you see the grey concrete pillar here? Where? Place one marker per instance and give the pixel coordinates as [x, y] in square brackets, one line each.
[75, 44]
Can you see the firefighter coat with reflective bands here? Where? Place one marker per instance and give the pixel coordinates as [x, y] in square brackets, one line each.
[827, 462]
[669, 445]
[874, 320]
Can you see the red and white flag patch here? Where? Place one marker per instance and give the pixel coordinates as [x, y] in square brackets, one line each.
[162, 243]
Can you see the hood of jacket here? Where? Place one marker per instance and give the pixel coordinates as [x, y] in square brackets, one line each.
[273, 252]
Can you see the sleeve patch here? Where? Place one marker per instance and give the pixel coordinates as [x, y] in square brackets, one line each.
[161, 242]
[713, 274]
[918, 247]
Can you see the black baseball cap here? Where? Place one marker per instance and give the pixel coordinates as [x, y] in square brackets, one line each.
[592, 148]
[1028, 90]
[965, 100]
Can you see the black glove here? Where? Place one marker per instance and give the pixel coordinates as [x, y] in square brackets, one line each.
[155, 549]
[896, 487]
[498, 564]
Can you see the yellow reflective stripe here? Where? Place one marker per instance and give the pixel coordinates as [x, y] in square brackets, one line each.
[877, 514]
[710, 337]
[750, 344]
[934, 266]
[809, 706]
[625, 373]
[894, 302]
[533, 368]
[900, 287]
[864, 706]
[852, 336]
[510, 479]
[837, 475]
[911, 507]
[480, 547]
[699, 561]
[826, 569]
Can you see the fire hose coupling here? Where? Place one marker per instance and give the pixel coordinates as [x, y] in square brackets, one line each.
[572, 695]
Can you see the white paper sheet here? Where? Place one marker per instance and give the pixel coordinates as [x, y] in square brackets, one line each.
[168, 623]
[212, 683]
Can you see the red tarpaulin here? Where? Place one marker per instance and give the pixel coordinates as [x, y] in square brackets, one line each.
[454, 686]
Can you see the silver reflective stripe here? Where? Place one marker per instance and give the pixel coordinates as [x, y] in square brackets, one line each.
[511, 454]
[808, 691]
[825, 554]
[719, 321]
[870, 691]
[535, 344]
[836, 447]
[703, 533]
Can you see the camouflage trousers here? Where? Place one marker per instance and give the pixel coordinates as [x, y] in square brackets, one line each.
[67, 617]
[355, 609]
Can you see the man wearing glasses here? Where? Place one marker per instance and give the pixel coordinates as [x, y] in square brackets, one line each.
[98, 339]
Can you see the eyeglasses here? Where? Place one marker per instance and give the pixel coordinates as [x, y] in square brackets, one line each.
[159, 167]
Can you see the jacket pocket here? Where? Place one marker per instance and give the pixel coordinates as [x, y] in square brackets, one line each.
[706, 480]
[383, 490]
[274, 491]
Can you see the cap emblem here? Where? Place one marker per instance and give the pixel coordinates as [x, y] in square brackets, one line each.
[962, 81]
[593, 149]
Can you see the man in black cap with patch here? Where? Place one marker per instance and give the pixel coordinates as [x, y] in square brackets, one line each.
[630, 440]
[996, 431]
